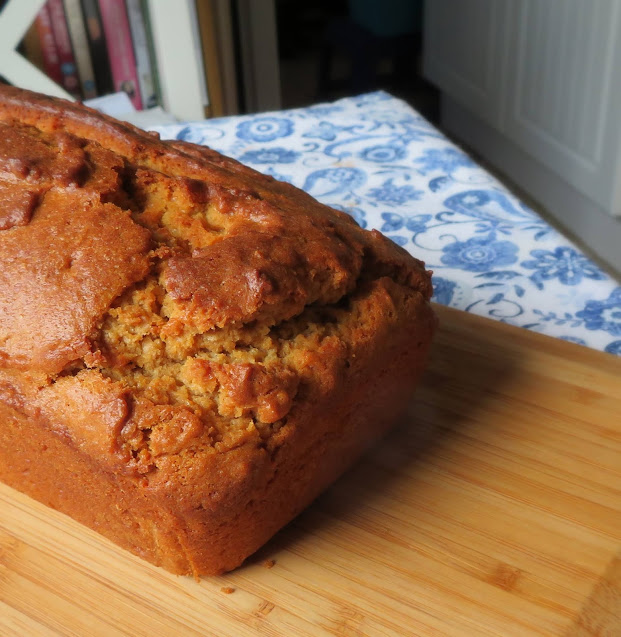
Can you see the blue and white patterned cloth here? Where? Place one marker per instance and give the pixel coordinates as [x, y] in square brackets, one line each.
[379, 160]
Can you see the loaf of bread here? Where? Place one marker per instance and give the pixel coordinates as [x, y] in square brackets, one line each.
[190, 351]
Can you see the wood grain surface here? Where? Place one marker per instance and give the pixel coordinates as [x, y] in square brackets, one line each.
[494, 508]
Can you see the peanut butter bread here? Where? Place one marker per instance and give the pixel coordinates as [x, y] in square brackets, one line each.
[190, 351]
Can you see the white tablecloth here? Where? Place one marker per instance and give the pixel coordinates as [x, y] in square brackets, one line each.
[378, 159]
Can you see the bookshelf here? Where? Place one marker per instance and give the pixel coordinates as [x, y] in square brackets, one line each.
[176, 40]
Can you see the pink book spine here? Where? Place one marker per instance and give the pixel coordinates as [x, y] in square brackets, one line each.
[120, 49]
[69, 70]
[51, 60]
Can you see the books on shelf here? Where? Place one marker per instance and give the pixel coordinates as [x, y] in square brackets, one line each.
[81, 52]
[49, 51]
[120, 49]
[138, 27]
[68, 68]
[96, 47]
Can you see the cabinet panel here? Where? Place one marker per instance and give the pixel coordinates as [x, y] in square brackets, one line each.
[564, 88]
[179, 58]
[464, 50]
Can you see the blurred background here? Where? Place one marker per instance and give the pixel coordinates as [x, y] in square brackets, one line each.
[532, 89]
[349, 47]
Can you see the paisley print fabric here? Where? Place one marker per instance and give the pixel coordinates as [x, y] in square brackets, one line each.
[376, 158]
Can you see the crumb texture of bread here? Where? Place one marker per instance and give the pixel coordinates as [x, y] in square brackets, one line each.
[193, 332]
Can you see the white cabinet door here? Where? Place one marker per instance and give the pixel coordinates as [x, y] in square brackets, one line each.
[565, 103]
[465, 50]
[544, 73]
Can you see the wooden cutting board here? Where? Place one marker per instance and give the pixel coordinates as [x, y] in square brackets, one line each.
[494, 509]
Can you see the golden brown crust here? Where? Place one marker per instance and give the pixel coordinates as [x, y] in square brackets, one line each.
[214, 345]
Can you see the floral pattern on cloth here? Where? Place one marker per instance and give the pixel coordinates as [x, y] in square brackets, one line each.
[376, 158]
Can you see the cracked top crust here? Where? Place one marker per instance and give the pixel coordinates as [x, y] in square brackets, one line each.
[160, 302]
